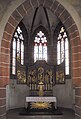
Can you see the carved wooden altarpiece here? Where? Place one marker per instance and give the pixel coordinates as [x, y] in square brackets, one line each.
[40, 79]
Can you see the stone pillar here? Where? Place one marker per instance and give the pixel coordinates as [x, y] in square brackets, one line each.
[77, 102]
[2, 102]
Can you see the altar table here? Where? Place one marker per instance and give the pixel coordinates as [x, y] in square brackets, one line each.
[42, 99]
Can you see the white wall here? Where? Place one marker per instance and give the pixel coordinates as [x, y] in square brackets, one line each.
[64, 94]
[15, 95]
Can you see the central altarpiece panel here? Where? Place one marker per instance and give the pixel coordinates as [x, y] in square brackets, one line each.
[40, 79]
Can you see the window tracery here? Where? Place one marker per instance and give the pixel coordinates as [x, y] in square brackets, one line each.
[63, 49]
[40, 47]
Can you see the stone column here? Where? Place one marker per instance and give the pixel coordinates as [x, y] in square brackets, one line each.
[2, 102]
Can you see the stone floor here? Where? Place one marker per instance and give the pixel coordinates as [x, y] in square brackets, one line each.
[67, 114]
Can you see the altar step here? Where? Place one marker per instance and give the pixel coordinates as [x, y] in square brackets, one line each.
[67, 114]
[37, 117]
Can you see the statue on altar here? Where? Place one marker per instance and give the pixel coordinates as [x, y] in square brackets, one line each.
[41, 87]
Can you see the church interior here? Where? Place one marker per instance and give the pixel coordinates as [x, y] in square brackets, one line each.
[40, 59]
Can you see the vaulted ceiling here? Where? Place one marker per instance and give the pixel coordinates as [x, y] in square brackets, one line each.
[46, 17]
[39, 16]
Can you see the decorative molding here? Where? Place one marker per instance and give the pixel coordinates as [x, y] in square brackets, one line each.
[3, 115]
[1, 88]
[77, 87]
[77, 106]
[3, 98]
[2, 106]
[77, 115]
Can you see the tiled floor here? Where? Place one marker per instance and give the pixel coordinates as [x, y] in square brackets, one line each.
[67, 114]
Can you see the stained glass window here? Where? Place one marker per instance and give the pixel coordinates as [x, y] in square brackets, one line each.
[40, 47]
[17, 50]
[63, 49]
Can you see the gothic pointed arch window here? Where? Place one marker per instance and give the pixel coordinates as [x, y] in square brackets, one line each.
[40, 46]
[63, 49]
[17, 51]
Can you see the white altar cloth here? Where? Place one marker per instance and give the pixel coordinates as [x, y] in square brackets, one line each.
[42, 99]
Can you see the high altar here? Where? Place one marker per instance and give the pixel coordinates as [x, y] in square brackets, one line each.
[40, 79]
